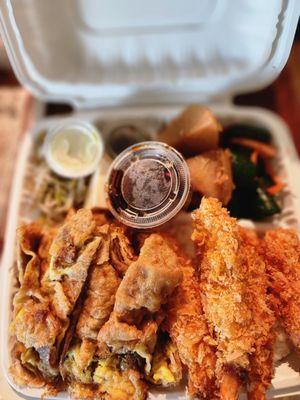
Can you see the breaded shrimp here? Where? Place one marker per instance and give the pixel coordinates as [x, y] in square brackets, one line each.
[261, 360]
[281, 250]
[188, 329]
[233, 294]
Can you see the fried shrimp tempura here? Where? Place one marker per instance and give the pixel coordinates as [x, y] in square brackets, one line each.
[281, 249]
[233, 295]
[223, 285]
[188, 329]
[261, 360]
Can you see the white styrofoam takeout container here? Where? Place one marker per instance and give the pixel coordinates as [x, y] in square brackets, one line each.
[136, 59]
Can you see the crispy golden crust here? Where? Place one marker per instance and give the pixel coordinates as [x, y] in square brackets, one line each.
[150, 280]
[132, 388]
[72, 253]
[121, 251]
[99, 301]
[234, 288]
[72, 236]
[123, 337]
[48, 293]
[145, 287]
[166, 367]
[21, 375]
[223, 282]
[211, 174]
[35, 325]
[43, 250]
[28, 241]
[281, 250]
[188, 328]
[263, 320]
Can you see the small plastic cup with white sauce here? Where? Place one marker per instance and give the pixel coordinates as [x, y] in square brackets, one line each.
[73, 148]
[148, 184]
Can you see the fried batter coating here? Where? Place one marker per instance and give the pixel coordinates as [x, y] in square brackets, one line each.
[111, 260]
[121, 251]
[48, 294]
[99, 301]
[188, 329]
[110, 383]
[72, 253]
[281, 251]
[29, 238]
[35, 325]
[102, 285]
[166, 367]
[145, 287]
[223, 282]
[233, 294]
[123, 337]
[263, 320]
[150, 280]
[23, 376]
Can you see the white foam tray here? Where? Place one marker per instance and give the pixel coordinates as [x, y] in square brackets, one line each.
[287, 378]
[136, 51]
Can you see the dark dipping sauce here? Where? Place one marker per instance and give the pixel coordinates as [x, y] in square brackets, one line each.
[124, 136]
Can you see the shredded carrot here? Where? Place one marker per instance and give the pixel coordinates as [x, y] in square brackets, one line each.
[254, 156]
[276, 188]
[272, 190]
[266, 150]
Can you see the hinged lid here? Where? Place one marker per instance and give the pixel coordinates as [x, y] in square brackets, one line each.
[108, 52]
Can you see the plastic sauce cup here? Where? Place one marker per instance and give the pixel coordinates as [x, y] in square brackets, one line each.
[147, 185]
[73, 148]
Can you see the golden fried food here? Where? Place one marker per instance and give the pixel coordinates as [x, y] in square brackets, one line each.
[99, 301]
[145, 287]
[121, 251]
[34, 323]
[281, 251]
[261, 359]
[223, 283]
[72, 252]
[188, 328]
[29, 238]
[93, 318]
[110, 381]
[79, 356]
[150, 280]
[211, 174]
[22, 370]
[122, 337]
[194, 130]
[48, 293]
[101, 289]
[166, 368]
[234, 297]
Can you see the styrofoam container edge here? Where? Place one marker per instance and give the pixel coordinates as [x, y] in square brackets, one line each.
[286, 381]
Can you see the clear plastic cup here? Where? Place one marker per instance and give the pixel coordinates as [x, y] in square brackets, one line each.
[147, 185]
[73, 148]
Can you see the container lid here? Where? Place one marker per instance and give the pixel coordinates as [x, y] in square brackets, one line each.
[148, 184]
[110, 52]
